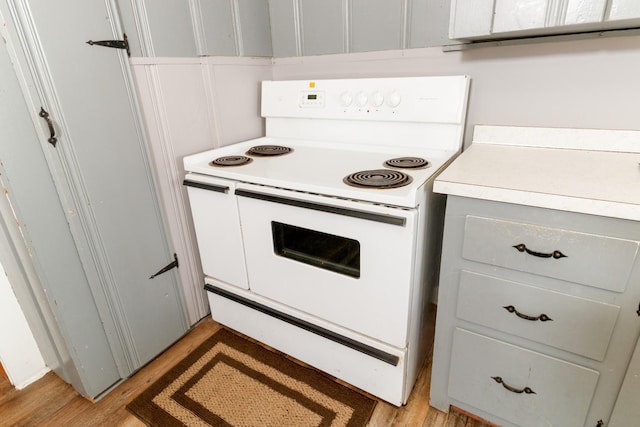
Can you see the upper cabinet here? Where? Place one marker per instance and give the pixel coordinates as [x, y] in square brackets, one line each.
[624, 9]
[489, 19]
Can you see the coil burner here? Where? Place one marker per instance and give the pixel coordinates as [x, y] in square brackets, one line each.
[407, 163]
[231, 161]
[268, 150]
[378, 178]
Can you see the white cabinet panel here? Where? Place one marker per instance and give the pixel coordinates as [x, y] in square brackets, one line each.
[470, 18]
[624, 9]
[516, 15]
[475, 19]
[376, 25]
[584, 11]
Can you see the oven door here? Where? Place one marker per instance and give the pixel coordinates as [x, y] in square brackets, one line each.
[346, 262]
[217, 226]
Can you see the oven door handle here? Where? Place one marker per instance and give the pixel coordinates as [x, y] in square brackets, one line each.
[371, 216]
[203, 186]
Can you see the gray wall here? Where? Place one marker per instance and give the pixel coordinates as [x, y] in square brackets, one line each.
[590, 83]
[312, 27]
[179, 28]
[281, 28]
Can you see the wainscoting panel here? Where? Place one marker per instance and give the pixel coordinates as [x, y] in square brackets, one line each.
[191, 105]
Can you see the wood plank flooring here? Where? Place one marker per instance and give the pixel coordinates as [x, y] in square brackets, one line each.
[51, 402]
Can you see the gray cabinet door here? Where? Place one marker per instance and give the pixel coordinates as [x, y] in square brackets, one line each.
[102, 172]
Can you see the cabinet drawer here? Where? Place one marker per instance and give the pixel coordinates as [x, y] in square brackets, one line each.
[589, 259]
[544, 391]
[570, 323]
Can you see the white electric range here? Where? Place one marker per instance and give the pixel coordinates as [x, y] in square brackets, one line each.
[321, 239]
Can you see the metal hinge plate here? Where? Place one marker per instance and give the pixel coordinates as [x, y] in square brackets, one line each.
[173, 264]
[116, 44]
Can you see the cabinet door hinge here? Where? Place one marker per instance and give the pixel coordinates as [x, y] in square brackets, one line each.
[172, 264]
[116, 44]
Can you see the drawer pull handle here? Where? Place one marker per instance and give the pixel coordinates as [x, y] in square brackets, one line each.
[543, 317]
[526, 390]
[555, 254]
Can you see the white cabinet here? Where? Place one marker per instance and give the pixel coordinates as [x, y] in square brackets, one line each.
[536, 319]
[624, 9]
[470, 18]
[516, 15]
[516, 18]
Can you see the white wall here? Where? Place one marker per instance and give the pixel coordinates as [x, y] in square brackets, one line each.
[592, 83]
[18, 350]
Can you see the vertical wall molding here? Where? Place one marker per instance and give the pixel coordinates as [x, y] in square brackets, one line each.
[237, 27]
[405, 29]
[297, 24]
[210, 85]
[198, 26]
[142, 27]
[347, 11]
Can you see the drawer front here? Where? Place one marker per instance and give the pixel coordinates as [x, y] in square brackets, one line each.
[579, 325]
[518, 385]
[589, 259]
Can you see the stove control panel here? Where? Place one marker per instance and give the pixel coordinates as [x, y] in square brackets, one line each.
[312, 99]
[439, 99]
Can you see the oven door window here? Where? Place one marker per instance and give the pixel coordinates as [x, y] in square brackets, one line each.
[327, 251]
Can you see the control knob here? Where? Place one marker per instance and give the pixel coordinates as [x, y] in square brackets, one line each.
[377, 99]
[346, 99]
[394, 99]
[361, 99]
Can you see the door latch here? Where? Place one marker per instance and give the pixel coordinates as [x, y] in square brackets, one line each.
[173, 264]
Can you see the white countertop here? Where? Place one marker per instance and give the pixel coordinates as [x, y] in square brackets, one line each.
[588, 171]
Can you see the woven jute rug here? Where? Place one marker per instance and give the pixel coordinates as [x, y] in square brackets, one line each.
[230, 381]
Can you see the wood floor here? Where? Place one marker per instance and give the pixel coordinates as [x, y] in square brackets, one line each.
[51, 402]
